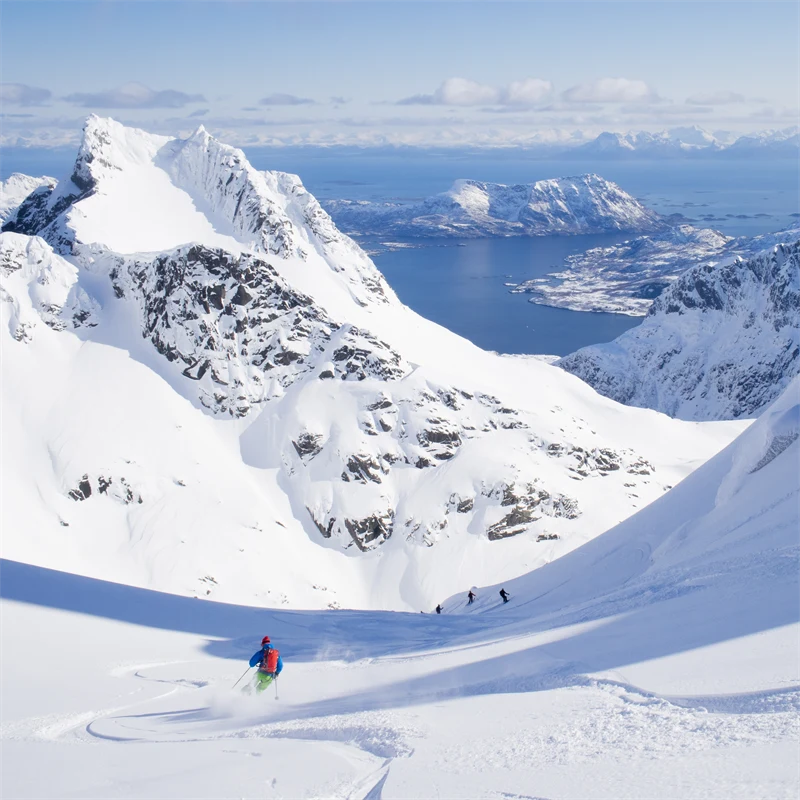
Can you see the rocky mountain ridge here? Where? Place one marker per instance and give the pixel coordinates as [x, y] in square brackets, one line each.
[721, 342]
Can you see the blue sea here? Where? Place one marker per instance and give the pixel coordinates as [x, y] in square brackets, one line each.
[462, 284]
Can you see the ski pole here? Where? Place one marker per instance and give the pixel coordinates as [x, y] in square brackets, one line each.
[242, 676]
[276, 687]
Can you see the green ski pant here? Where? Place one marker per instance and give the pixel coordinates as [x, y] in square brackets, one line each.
[263, 679]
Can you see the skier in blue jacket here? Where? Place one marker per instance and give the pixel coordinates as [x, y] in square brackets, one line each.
[269, 663]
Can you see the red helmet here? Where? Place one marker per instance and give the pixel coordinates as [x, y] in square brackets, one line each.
[265, 640]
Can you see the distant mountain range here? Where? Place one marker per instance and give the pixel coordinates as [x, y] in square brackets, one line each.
[690, 142]
[579, 205]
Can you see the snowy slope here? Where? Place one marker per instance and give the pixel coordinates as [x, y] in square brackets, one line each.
[251, 392]
[625, 278]
[719, 343]
[15, 190]
[583, 204]
[659, 660]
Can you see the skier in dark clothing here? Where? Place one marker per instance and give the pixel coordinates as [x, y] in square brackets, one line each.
[438, 609]
[470, 597]
[504, 595]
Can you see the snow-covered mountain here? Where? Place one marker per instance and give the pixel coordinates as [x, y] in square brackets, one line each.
[625, 278]
[689, 142]
[692, 135]
[784, 142]
[580, 205]
[204, 380]
[15, 189]
[720, 343]
[665, 144]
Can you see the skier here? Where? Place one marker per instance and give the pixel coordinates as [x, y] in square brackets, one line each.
[439, 609]
[269, 663]
[504, 595]
[470, 597]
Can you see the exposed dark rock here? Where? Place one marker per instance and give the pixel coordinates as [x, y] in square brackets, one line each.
[325, 528]
[528, 505]
[308, 445]
[371, 531]
[117, 488]
[83, 490]
[364, 468]
[242, 296]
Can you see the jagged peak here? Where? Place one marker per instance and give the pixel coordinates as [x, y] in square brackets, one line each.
[587, 179]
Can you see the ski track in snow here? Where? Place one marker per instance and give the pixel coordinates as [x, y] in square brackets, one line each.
[615, 716]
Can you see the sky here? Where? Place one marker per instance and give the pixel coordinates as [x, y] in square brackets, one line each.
[402, 73]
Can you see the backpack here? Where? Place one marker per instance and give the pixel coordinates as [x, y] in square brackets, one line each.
[270, 662]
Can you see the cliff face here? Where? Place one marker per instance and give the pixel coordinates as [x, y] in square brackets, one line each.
[720, 343]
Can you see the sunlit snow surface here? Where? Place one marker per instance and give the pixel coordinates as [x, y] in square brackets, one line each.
[660, 660]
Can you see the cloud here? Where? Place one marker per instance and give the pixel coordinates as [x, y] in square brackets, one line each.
[201, 112]
[464, 92]
[611, 90]
[527, 92]
[340, 101]
[134, 95]
[280, 99]
[715, 99]
[19, 94]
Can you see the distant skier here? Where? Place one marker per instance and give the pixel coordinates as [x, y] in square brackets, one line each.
[470, 597]
[439, 609]
[269, 663]
[504, 595]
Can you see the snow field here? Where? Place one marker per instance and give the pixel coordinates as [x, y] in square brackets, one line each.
[659, 660]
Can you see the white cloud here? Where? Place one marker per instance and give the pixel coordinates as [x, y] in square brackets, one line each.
[20, 94]
[464, 92]
[715, 98]
[134, 95]
[611, 90]
[527, 92]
